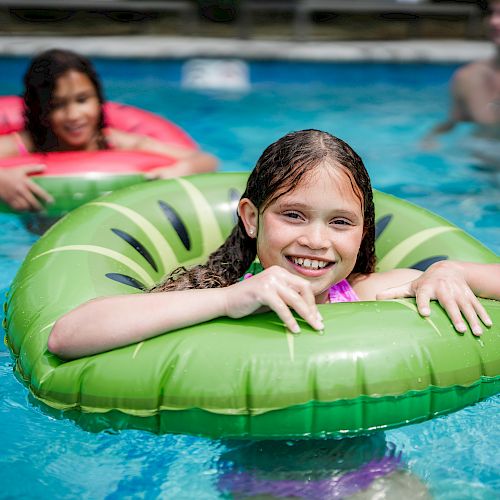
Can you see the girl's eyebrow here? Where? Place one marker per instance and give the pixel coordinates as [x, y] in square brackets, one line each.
[79, 94]
[307, 208]
[291, 205]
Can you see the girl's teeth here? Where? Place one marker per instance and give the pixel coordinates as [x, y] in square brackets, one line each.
[309, 263]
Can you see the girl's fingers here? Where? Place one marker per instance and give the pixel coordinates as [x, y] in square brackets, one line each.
[423, 298]
[451, 307]
[280, 289]
[31, 201]
[470, 315]
[481, 312]
[474, 311]
[35, 168]
[284, 313]
[39, 192]
[305, 309]
[312, 314]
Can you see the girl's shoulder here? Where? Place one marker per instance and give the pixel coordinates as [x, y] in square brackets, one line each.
[367, 286]
[16, 144]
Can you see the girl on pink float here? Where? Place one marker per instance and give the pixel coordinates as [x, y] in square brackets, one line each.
[63, 100]
[307, 214]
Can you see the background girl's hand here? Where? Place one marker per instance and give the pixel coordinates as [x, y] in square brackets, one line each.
[445, 282]
[279, 290]
[19, 191]
[178, 169]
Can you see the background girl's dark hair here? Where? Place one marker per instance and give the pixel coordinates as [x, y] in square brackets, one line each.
[279, 169]
[39, 84]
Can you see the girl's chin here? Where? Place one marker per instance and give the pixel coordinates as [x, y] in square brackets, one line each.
[77, 145]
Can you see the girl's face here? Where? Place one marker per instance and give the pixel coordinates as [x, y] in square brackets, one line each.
[314, 231]
[75, 112]
[494, 21]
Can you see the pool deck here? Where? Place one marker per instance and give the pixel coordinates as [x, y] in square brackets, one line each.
[170, 47]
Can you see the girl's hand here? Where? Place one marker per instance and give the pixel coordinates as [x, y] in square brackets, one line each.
[19, 191]
[444, 281]
[279, 290]
[178, 169]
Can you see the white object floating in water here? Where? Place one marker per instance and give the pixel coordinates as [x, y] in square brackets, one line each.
[226, 74]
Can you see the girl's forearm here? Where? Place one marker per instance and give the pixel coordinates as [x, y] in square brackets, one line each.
[197, 162]
[483, 279]
[193, 161]
[109, 322]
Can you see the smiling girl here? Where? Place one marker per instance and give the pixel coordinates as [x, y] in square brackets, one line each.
[307, 213]
[63, 102]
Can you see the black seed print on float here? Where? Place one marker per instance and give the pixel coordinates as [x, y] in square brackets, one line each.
[381, 224]
[422, 265]
[177, 224]
[137, 245]
[125, 280]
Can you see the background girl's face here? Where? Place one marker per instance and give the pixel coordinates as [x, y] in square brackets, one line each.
[494, 22]
[314, 231]
[75, 112]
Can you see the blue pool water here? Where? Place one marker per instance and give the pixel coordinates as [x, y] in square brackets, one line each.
[383, 111]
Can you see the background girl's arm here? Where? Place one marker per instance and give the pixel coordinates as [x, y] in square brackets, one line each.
[454, 284]
[109, 322]
[188, 161]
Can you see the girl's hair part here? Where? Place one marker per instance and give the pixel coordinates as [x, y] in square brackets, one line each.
[280, 168]
[39, 84]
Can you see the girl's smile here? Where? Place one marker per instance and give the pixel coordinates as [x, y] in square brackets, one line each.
[313, 231]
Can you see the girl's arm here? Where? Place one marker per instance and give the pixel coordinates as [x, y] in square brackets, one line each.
[109, 322]
[188, 161]
[16, 188]
[455, 285]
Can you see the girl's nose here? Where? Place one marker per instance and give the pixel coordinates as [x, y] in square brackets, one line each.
[315, 236]
[72, 111]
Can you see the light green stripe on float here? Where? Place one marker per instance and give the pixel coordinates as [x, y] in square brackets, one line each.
[399, 252]
[168, 258]
[210, 229]
[122, 259]
[414, 308]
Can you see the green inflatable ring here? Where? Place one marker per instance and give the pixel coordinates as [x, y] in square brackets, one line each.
[378, 365]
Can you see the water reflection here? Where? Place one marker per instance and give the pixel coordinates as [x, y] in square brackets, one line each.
[355, 468]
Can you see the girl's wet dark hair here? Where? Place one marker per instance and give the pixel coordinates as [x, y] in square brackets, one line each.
[39, 85]
[279, 169]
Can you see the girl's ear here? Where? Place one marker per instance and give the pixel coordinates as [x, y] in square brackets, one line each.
[249, 216]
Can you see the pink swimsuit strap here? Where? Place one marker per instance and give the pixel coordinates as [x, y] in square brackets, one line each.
[342, 292]
[23, 150]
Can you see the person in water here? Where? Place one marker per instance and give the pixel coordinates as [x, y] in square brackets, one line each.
[307, 213]
[63, 101]
[475, 90]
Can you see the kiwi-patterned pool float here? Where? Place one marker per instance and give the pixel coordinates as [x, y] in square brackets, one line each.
[378, 365]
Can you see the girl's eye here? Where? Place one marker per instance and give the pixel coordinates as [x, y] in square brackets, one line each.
[56, 105]
[292, 215]
[341, 222]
